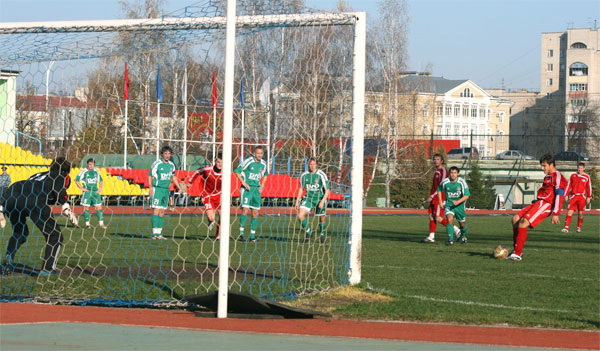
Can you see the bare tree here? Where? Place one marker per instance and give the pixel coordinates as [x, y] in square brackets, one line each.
[387, 61]
[28, 119]
[583, 127]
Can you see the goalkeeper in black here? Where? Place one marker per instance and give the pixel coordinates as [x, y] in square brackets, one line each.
[32, 198]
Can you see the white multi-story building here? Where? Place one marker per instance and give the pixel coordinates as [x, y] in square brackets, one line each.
[8, 89]
[450, 109]
[467, 112]
[570, 78]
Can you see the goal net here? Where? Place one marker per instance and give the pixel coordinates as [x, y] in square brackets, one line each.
[118, 91]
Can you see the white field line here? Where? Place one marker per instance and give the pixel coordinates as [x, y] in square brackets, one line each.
[471, 303]
[470, 271]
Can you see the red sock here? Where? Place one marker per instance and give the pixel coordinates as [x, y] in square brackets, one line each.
[218, 229]
[432, 226]
[568, 221]
[444, 222]
[521, 239]
[579, 222]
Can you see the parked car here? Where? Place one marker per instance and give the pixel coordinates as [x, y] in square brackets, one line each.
[463, 152]
[570, 156]
[513, 155]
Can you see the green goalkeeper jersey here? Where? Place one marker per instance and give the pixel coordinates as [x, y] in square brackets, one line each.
[89, 179]
[315, 184]
[162, 173]
[454, 191]
[252, 172]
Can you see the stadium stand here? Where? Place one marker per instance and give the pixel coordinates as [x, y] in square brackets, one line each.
[133, 182]
[14, 155]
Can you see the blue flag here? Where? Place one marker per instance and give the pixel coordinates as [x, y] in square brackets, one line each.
[159, 95]
[242, 94]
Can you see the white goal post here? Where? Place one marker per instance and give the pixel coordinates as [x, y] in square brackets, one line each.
[357, 154]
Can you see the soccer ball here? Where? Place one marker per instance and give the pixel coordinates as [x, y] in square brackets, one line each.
[500, 252]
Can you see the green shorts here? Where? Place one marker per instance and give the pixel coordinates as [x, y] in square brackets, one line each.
[160, 198]
[91, 198]
[457, 211]
[310, 204]
[251, 198]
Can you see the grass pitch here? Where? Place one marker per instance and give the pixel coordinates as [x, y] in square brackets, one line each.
[556, 284]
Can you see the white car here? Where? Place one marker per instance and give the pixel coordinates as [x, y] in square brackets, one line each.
[513, 155]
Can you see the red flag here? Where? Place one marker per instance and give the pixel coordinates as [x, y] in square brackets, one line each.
[126, 84]
[214, 101]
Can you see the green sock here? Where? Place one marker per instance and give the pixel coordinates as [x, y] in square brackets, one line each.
[322, 227]
[86, 216]
[450, 231]
[463, 231]
[100, 215]
[243, 219]
[155, 221]
[253, 226]
[304, 224]
[161, 222]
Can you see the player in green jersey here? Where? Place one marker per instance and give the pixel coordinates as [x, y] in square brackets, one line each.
[457, 192]
[317, 188]
[162, 173]
[252, 173]
[90, 182]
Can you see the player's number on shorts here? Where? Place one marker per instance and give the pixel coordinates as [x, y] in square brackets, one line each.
[155, 202]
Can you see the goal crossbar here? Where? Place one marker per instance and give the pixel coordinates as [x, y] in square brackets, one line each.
[176, 23]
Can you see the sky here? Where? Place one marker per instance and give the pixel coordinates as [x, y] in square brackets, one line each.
[494, 43]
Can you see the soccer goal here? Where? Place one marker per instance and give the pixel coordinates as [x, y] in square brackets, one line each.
[118, 91]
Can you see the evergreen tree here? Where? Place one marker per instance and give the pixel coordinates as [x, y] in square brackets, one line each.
[411, 188]
[595, 186]
[482, 190]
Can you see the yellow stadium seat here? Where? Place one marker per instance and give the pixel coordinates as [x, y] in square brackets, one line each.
[39, 160]
[29, 159]
[15, 151]
[136, 190]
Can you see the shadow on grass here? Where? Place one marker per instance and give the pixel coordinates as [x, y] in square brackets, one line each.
[201, 237]
[479, 254]
[535, 237]
[18, 268]
[178, 237]
[594, 323]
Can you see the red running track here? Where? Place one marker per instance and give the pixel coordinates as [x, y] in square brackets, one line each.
[429, 332]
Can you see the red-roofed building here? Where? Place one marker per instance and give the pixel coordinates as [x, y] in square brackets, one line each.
[56, 119]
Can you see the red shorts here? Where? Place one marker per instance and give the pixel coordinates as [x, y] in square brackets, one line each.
[212, 202]
[436, 210]
[577, 203]
[536, 212]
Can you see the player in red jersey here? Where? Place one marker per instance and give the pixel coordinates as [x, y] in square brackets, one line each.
[578, 193]
[549, 201]
[435, 208]
[210, 178]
